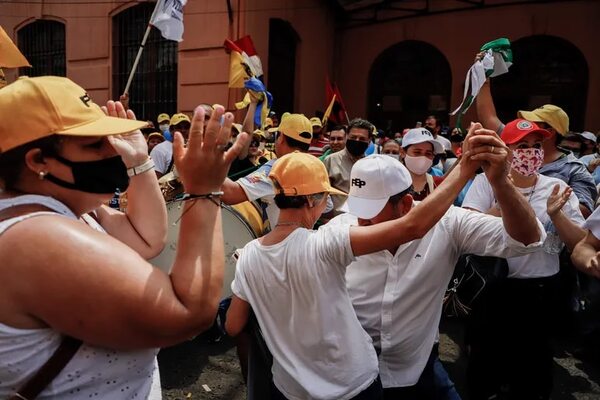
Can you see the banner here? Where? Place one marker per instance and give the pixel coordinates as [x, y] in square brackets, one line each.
[10, 56]
[244, 63]
[168, 18]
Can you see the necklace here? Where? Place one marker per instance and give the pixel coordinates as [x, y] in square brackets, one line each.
[532, 190]
[289, 223]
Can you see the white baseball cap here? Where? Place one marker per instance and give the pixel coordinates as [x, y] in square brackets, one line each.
[373, 180]
[421, 135]
[589, 136]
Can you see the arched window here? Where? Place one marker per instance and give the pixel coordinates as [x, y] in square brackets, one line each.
[283, 41]
[546, 70]
[154, 87]
[407, 82]
[42, 42]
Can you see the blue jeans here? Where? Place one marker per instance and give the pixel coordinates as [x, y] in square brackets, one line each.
[433, 384]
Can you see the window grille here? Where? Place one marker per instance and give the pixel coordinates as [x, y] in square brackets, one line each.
[43, 44]
[154, 87]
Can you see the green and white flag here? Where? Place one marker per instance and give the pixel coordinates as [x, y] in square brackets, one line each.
[496, 61]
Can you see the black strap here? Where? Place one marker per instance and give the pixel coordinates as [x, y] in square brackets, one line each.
[61, 357]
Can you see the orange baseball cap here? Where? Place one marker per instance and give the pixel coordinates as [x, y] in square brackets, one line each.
[300, 174]
[49, 105]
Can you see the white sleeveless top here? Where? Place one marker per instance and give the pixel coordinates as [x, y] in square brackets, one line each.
[93, 373]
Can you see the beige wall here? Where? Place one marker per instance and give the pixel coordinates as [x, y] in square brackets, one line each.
[459, 35]
[346, 55]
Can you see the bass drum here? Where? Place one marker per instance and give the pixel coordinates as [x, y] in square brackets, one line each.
[236, 234]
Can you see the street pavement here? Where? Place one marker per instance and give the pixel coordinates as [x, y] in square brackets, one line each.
[201, 369]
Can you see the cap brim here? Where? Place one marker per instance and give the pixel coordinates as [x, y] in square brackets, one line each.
[363, 208]
[529, 116]
[273, 129]
[543, 132]
[105, 126]
[333, 190]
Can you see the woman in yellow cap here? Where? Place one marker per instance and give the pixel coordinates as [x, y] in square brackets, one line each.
[293, 278]
[61, 278]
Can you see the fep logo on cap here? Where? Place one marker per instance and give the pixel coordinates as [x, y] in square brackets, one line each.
[373, 180]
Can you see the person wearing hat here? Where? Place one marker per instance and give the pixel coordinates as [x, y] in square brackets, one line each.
[557, 163]
[418, 150]
[61, 277]
[592, 161]
[154, 139]
[397, 292]
[319, 142]
[588, 140]
[293, 278]
[339, 165]
[293, 134]
[513, 326]
[162, 153]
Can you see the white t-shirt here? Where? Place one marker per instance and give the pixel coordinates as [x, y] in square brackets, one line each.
[545, 262]
[593, 223]
[398, 297]
[259, 187]
[162, 154]
[297, 290]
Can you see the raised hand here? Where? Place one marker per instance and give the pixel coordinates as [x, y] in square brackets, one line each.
[487, 148]
[203, 164]
[557, 200]
[470, 166]
[132, 147]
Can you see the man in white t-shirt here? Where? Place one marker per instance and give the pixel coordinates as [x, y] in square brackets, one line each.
[162, 154]
[294, 277]
[293, 134]
[586, 255]
[397, 293]
[434, 126]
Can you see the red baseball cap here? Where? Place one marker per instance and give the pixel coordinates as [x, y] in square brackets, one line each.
[519, 128]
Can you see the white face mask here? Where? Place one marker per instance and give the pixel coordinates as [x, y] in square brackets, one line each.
[396, 156]
[163, 127]
[418, 165]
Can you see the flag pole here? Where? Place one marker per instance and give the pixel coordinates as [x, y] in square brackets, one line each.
[140, 50]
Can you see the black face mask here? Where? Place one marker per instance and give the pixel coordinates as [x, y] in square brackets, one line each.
[101, 176]
[356, 147]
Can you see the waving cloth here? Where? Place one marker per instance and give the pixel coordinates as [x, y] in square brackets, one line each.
[257, 89]
[496, 61]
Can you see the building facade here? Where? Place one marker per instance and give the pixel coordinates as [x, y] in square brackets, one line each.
[394, 61]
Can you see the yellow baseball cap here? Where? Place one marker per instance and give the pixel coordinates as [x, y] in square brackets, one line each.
[179, 118]
[238, 127]
[296, 126]
[554, 116]
[48, 105]
[300, 174]
[163, 117]
[259, 133]
[156, 135]
[315, 121]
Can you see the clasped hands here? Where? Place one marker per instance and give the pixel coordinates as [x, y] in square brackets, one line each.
[484, 148]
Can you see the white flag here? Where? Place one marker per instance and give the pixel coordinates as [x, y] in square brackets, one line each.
[168, 17]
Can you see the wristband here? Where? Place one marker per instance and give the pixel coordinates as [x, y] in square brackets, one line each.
[209, 196]
[140, 169]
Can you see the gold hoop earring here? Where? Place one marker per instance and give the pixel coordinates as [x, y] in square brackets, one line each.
[41, 175]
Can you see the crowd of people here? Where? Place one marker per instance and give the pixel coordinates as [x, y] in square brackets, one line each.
[361, 233]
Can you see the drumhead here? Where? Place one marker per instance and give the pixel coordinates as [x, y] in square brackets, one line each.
[236, 234]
